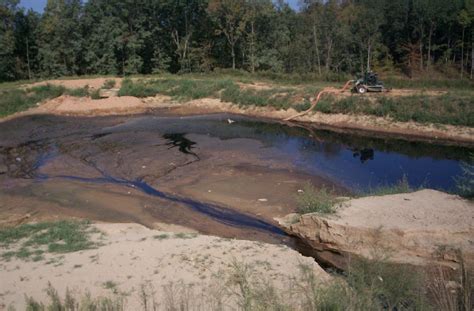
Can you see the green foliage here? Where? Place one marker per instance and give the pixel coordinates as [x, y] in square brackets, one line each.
[14, 100]
[80, 92]
[181, 89]
[402, 186]
[442, 109]
[327, 40]
[57, 237]
[312, 200]
[277, 98]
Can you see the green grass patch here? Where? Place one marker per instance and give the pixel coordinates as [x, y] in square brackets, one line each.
[17, 99]
[79, 92]
[55, 237]
[312, 200]
[443, 109]
[402, 186]
[180, 89]
[183, 235]
[278, 98]
[162, 236]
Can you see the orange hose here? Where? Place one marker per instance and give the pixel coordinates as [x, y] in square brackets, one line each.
[318, 98]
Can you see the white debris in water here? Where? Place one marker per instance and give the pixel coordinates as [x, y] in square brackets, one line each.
[143, 166]
[263, 200]
[300, 191]
[18, 159]
[209, 191]
[230, 121]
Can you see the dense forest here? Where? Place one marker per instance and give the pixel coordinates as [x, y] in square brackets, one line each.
[324, 37]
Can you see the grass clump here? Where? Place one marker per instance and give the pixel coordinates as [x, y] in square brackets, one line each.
[402, 186]
[312, 200]
[80, 92]
[114, 303]
[162, 236]
[109, 84]
[183, 235]
[55, 237]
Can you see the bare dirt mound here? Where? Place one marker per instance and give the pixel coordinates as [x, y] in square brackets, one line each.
[419, 228]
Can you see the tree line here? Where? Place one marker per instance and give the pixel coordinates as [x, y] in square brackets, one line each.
[324, 37]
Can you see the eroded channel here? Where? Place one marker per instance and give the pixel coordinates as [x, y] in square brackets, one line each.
[219, 174]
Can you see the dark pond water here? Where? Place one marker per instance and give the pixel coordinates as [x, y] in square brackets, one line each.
[357, 162]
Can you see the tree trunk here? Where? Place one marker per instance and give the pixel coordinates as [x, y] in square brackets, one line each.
[429, 44]
[252, 48]
[421, 48]
[329, 54]
[316, 47]
[233, 56]
[369, 48]
[472, 54]
[28, 58]
[462, 52]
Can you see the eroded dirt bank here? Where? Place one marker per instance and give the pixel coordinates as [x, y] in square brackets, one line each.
[423, 228]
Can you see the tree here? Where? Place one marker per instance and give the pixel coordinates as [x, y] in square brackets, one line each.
[8, 8]
[231, 18]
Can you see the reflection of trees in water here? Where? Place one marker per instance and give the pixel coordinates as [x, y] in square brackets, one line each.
[178, 140]
[321, 138]
[363, 154]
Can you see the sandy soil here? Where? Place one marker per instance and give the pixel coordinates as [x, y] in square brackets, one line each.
[133, 257]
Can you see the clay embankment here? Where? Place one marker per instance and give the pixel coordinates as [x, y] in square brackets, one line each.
[421, 228]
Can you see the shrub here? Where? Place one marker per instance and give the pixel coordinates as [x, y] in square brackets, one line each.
[109, 83]
[313, 200]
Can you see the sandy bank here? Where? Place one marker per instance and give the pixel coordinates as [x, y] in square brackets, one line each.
[133, 257]
[421, 228]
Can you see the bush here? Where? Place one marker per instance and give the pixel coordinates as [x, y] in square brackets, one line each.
[313, 200]
[108, 84]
